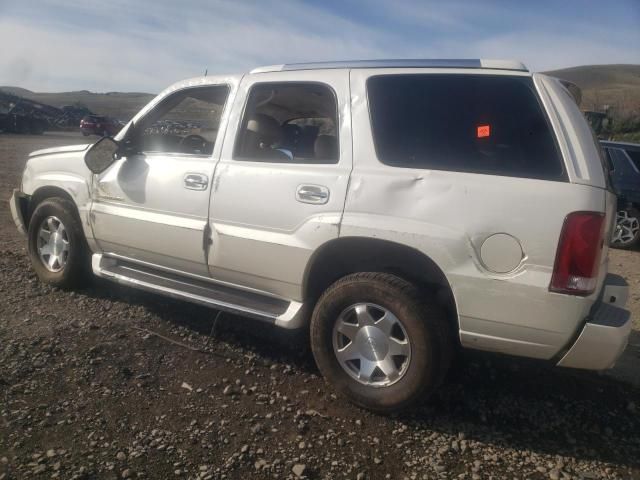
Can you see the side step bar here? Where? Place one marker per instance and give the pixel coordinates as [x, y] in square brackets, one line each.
[283, 313]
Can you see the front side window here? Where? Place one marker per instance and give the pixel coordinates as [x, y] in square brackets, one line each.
[289, 122]
[467, 123]
[186, 122]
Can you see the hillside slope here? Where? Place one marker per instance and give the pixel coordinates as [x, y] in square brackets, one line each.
[617, 86]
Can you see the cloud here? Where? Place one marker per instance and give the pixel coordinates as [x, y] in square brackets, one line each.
[148, 44]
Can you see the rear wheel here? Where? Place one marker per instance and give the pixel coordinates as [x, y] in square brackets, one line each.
[379, 342]
[627, 231]
[57, 246]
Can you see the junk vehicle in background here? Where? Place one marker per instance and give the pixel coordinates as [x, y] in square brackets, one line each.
[99, 125]
[624, 172]
[24, 116]
[19, 115]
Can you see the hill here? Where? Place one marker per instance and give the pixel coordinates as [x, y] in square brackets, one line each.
[615, 86]
[115, 104]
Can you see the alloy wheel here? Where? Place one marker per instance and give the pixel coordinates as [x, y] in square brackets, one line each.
[371, 345]
[53, 244]
[627, 227]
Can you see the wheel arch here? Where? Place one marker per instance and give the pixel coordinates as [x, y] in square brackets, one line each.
[45, 192]
[346, 255]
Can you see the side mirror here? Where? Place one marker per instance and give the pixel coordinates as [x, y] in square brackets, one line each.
[101, 154]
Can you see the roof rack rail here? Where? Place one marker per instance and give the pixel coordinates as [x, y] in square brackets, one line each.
[394, 63]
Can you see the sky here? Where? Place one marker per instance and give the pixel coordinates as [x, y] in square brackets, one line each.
[145, 45]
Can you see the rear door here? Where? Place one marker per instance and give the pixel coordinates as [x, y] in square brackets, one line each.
[280, 185]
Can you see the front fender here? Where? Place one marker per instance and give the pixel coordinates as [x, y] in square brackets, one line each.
[61, 174]
[73, 185]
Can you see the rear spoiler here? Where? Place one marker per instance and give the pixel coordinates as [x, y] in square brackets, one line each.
[573, 89]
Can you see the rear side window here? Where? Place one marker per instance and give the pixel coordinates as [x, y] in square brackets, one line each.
[291, 123]
[465, 123]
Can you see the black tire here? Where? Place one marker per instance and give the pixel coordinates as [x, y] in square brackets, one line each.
[632, 212]
[76, 270]
[423, 320]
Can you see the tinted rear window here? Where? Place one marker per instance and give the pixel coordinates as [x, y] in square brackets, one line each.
[468, 123]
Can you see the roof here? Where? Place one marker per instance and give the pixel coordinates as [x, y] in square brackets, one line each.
[408, 63]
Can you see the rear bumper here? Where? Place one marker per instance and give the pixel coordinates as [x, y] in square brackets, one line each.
[17, 204]
[606, 332]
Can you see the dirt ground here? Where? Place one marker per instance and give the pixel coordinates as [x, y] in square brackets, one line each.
[106, 382]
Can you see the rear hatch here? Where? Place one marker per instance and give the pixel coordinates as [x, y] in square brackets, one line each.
[584, 159]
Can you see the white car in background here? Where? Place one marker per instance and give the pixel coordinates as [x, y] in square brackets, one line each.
[400, 208]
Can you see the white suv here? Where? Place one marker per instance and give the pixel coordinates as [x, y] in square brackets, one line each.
[400, 208]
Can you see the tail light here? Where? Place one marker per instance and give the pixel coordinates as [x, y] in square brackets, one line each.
[578, 258]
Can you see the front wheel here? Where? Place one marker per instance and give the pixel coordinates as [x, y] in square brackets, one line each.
[57, 246]
[379, 341]
[627, 230]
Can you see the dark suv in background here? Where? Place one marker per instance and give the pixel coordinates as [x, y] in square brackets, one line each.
[624, 166]
[99, 125]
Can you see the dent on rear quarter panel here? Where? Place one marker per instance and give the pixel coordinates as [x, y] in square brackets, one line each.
[448, 215]
[448, 219]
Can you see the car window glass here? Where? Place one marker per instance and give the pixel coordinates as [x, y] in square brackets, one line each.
[634, 155]
[289, 122]
[186, 122]
[469, 123]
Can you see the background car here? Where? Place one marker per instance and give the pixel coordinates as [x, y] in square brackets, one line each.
[99, 125]
[624, 173]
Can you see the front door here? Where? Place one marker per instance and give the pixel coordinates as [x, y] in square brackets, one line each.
[152, 205]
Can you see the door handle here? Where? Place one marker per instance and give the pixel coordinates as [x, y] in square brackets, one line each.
[316, 194]
[196, 181]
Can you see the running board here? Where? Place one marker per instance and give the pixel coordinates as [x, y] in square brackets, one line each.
[283, 313]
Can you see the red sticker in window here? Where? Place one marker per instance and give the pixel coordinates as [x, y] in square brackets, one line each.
[484, 131]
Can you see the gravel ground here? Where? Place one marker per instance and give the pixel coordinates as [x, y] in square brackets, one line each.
[112, 383]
